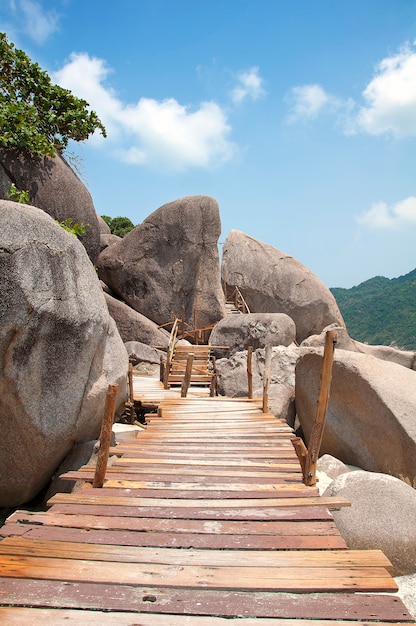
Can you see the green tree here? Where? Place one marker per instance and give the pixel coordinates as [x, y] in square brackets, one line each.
[34, 113]
[119, 226]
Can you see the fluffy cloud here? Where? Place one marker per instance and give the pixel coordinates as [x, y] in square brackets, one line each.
[150, 132]
[383, 216]
[34, 19]
[307, 102]
[250, 85]
[391, 97]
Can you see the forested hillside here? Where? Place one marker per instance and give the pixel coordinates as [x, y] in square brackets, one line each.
[381, 310]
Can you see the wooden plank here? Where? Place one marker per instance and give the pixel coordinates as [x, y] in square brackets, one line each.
[215, 577]
[102, 499]
[199, 512]
[207, 486]
[178, 540]
[224, 527]
[286, 606]
[61, 617]
[236, 558]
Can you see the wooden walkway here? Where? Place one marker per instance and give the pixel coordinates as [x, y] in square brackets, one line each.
[202, 520]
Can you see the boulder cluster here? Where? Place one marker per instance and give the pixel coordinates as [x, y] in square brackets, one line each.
[72, 312]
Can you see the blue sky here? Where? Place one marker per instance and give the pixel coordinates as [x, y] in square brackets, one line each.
[298, 116]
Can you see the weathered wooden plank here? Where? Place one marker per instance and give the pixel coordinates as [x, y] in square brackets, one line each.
[99, 497]
[287, 606]
[224, 527]
[131, 474]
[213, 463]
[199, 512]
[215, 577]
[249, 487]
[186, 472]
[22, 616]
[178, 540]
[257, 558]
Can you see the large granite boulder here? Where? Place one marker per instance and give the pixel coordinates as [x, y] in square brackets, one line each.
[237, 332]
[381, 517]
[232, 378]
[59, 350]
[169, 264]
[54, 187]
[273, 282]
[371, 413]
[406, 358]
[133, 326]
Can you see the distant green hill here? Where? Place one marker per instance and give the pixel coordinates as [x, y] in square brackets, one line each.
[381, 311]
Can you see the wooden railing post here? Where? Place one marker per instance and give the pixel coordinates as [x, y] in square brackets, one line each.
[320, 417]
[188, 373]
[105, 436]
[266, 378]
[250, 371]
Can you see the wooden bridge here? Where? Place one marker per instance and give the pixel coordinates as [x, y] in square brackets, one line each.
[204, 519]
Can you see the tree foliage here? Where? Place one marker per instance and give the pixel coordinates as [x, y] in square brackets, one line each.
[34, 113]
[119, 226]
[381, 311]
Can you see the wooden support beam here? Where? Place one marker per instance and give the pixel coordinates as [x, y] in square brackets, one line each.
[320, 417]
[188, 374]
[105, 436]
[266, 377]
[250, 371]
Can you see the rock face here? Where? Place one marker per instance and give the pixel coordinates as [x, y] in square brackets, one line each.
[141, 353]
[273, 282]
[232, 378]
[59, 350]
[133, 326]
[371, 414]
[53, 187]
[170, 261]
[405, 358]
[252, 329]
[382, 516]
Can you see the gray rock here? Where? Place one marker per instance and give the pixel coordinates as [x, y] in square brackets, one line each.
[59, 350]
[407, 592]
[168, 262]
[371, 413]
[382, 516]
[232, 378]
[107, 240]
[253, 329]
[53, 187]
[273, 282]
[141, 353]
[133, 326]
[103, 226]
[405, 358]
[331, 466]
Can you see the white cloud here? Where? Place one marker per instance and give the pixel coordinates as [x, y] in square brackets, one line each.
[34, 19]
[250, 85]
[388, 217]
[391, 97]
[307, 102]
[150, 132]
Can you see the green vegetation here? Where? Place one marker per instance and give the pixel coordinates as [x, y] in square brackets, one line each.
[34, 113]
[119, 226]
[73, 227]
[381, 311]
[18, 195]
